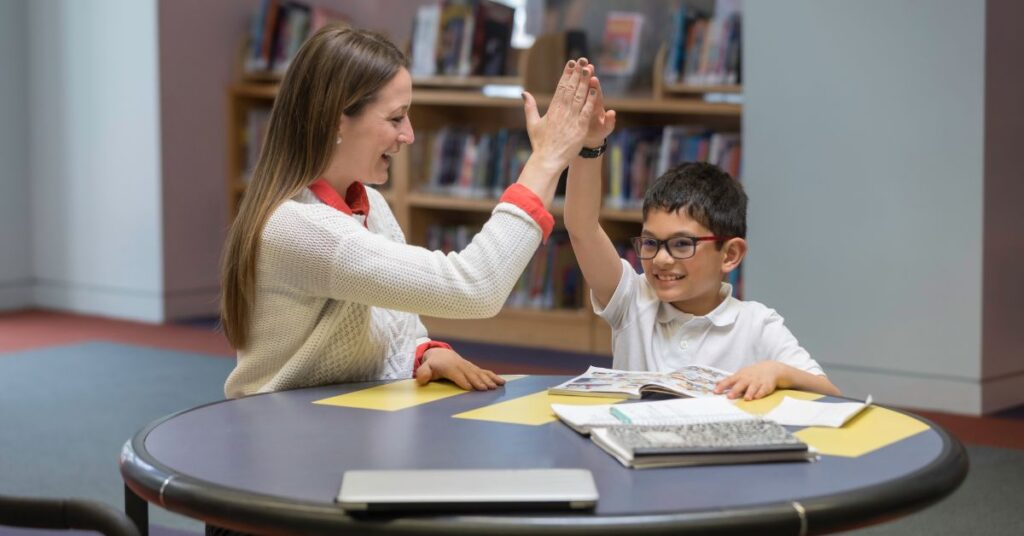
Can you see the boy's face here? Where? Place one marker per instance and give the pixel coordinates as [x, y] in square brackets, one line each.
[690, 285]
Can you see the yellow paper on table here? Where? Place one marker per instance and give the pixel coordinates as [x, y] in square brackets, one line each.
[768, 403]
[872, 429]
[398, 395]
[533, 410]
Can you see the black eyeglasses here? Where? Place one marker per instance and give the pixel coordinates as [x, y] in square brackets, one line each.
[679, 247]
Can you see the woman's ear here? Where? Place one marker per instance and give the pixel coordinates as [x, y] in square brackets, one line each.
[733, 252]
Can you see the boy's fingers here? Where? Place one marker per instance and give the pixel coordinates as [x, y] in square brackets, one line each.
[609, 120]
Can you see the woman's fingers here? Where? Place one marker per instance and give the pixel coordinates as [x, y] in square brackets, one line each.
[530, 109]
[567, 96]
[563, 82]
[582, 87]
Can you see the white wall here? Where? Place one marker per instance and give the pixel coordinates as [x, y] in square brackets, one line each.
[864, 164]
[95, 157]
[15, 236]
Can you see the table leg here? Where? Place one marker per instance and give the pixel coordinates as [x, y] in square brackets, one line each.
[137, 509]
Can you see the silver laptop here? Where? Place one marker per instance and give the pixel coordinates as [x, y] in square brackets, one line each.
[446, 490]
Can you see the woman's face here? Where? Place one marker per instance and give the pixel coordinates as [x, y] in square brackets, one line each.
[370, 139]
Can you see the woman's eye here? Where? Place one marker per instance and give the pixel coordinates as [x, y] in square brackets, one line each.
[397, 120]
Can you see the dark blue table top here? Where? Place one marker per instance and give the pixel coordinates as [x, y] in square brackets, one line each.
[283, 457]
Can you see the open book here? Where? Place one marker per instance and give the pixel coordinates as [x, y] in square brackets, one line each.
[692, 380]
[658, 412]
[724, 442]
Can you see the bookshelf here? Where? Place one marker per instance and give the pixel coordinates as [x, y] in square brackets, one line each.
[442, 101]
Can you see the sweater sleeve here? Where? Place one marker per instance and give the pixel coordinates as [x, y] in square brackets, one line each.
[316, 250]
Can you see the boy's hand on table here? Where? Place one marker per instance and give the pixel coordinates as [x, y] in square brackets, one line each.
[442, 363]
[752, 382]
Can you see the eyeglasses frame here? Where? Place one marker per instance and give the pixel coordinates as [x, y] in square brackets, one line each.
[696, 241]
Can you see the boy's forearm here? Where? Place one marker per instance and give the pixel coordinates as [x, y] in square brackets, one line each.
[805, 381]
[583, 195]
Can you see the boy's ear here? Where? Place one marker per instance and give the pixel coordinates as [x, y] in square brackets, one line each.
[733, 252]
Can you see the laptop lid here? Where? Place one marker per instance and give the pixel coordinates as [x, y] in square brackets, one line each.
[467, 490]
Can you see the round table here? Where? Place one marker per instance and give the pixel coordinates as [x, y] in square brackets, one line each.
[274, 463]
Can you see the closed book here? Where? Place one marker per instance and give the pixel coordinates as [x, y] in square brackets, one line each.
[753, 440]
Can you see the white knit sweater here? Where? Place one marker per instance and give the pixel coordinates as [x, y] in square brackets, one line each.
[339, 302]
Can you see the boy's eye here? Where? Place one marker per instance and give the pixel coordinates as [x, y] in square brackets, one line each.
[680, 243]
[649, 243]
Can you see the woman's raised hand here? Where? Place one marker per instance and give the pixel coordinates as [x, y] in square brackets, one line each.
[558, 136]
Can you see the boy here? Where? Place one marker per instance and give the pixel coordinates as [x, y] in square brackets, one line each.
[679, 312]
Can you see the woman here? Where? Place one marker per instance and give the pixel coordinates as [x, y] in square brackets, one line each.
[319, 285]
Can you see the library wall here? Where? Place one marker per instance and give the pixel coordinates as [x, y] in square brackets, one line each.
[198, 47]
[95, 153]
[864, 146]
[1003, 313]
[15, 232]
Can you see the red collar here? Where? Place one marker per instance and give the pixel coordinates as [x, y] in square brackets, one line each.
[355, 201]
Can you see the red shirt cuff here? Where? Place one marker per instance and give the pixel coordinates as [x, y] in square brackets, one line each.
[422, 349]
[522, 197]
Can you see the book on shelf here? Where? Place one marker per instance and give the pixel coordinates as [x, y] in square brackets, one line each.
[277, 30]
[639, 155]
[751, 440]
[462, 38]
[621, 43]
[655, 413]
[689, 381]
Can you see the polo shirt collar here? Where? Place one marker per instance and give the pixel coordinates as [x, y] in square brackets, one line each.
[354, 202]
[723, 315]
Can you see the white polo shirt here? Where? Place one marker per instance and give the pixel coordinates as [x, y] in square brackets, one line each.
[648, 334]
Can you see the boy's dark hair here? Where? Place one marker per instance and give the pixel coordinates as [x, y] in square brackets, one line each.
[708, 194]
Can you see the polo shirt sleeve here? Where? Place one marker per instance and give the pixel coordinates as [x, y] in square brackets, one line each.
[617, 311]
[781, 345]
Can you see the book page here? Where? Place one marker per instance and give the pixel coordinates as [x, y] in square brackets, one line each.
[582, 418]
[679, 411]
[694, 380]
[793, 412]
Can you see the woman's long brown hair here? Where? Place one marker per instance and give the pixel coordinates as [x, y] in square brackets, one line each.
[339, 70]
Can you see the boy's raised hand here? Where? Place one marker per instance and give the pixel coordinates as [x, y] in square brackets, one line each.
[752, 382]
[602, 122]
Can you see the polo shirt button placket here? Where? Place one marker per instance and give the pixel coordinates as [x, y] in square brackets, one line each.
[684, 344]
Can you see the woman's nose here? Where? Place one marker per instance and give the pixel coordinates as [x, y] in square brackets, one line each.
[407, 136]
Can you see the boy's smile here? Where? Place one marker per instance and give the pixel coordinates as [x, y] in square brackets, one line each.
[691, 285]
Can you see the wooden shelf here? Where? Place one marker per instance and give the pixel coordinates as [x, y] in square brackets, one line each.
[469, 82]
[693, 88]
[559, 329]
[450, 202]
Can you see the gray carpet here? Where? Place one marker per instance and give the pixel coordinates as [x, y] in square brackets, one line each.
[66, 411]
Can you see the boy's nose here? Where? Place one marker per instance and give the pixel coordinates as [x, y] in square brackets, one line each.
[662, 258]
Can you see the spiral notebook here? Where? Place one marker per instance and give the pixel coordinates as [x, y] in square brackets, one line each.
[661, 412]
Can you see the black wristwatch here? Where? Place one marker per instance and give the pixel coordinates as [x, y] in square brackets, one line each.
[588, 152]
